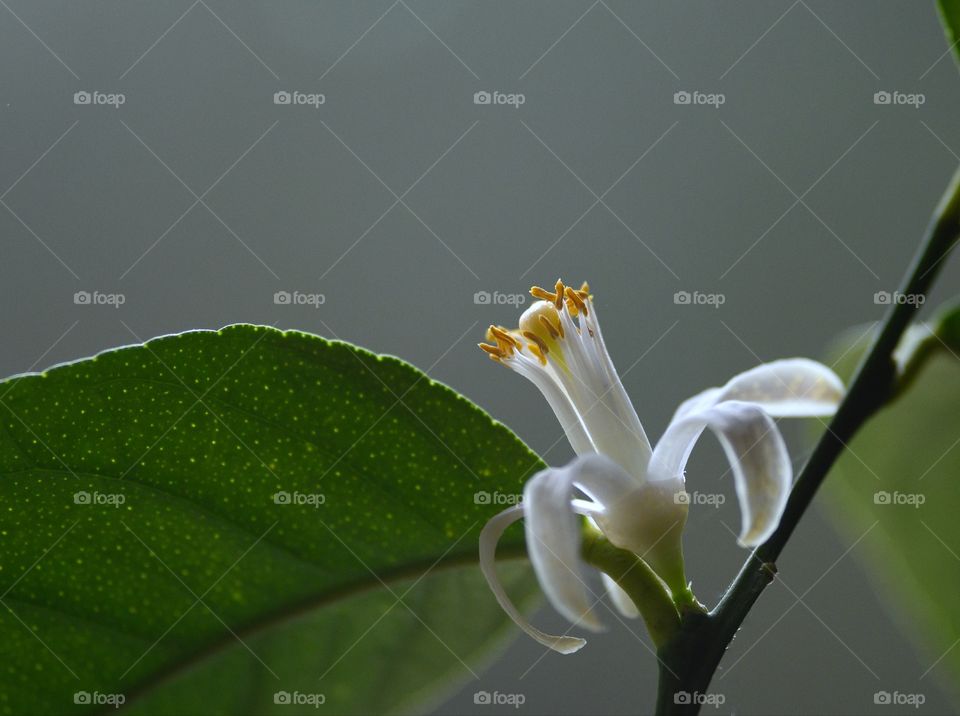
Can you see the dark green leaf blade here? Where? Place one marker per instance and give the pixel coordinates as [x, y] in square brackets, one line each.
[950, 17]
[899, 481]
[162, 500]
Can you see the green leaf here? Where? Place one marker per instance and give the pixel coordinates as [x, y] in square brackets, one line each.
[899, 481]
[950, 17]
[145, 527]
[924, 340]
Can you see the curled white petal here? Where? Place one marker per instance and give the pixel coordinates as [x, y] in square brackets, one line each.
[553, 529]
[788, 388]
[489, 537]
[621, 600]
[758, 459]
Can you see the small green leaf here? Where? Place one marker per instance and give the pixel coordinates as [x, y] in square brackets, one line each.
[898, 481]
[221, 499]
[922, 341]
[950, 17]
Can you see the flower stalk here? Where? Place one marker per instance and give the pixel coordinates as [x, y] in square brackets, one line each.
[690, 659]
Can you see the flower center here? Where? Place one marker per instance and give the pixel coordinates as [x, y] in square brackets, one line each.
[540, 329]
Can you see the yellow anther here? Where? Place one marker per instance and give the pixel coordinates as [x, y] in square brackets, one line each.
[542, 294]
[494, 352]
[558, 300]
[554, 331]
[540, 343]
[501, 336]
[576, 300]
[585, 289]
[535, 349]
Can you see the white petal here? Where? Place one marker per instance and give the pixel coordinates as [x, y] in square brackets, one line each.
[552, 390]
[598, 394]
[789, 388]
[621, 600]
[553, 528]
[489, 537]
[758, 458]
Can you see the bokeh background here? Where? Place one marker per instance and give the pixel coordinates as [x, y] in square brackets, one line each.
[399, 200]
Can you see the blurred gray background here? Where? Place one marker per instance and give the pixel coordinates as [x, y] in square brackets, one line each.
[399, 199]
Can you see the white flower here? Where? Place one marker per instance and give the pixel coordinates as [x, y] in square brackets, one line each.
[632, 493]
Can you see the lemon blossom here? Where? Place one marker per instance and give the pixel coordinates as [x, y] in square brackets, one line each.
[632, 492]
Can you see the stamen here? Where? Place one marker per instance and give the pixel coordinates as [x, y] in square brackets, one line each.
[574, 297]
[535, 349]
[540, 343]
[542, 294]
[502, 335]
[554, 332]
[558, 299]
[495, 352]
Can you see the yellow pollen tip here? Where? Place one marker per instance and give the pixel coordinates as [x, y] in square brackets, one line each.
[495, 351]
[542, 294]
[535, 349]
[558, 301]
[501, 336]
[554, 331]
[540, 343]
[578, 302]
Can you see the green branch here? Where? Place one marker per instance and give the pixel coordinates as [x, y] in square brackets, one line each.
[689, 660]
